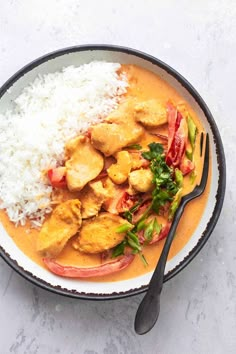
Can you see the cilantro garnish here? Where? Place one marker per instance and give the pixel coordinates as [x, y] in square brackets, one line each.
[129, 213]
[134, 147]
[167, 183]
[163, 177]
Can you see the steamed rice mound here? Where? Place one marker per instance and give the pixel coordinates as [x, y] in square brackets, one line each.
[50, 111]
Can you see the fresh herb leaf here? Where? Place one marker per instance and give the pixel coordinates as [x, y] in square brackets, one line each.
[160, 197]
[133, 241]
[135, 207]
[134, 147]
[128, 215]
[133, 244]
[119, 249]
[148, 233]
[165, 185]
[140, 225]
[189, 155]
[143, 259]
[156, 226]
[151, 228]
[193, 176]
[123, 228]
[133, 237]
[179, 178]
[175, 204]
[192, 133]
[155, 149]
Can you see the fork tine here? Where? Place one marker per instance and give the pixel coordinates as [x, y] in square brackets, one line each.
[205, 164]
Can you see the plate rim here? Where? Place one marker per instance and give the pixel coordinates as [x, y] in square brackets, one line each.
[220, 162]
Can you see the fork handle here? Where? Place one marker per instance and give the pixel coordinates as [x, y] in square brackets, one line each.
[158, 275]
[149, 308]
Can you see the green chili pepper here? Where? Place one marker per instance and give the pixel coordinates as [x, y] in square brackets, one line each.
[123, 228]
[192, 133]
[143, 259]
[175, 204]
[179, 177]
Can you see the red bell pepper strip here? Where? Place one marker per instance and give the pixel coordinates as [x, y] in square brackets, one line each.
[57, 177]
[83, 272]
[177, 141]
[172, 126]
[177, 136]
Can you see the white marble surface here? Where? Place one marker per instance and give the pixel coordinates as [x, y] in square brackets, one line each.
[198, 308]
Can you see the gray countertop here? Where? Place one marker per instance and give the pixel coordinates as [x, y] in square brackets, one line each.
[198, 307]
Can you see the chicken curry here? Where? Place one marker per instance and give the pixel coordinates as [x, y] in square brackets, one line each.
[121, 182]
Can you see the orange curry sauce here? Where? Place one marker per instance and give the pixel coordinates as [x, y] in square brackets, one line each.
[144, 85]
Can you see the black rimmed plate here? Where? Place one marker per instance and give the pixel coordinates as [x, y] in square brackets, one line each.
[112, 290]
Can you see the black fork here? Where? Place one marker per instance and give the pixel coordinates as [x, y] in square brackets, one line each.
[149, 309]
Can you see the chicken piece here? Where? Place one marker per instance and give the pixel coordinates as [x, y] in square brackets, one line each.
[150, 113]
[141, 180]
[110, 138]
[60, 195]
[63, 223]
[119, 130]
[119, 171]
[84, 163]
[123, 113]
[115, 193]
[99, 234]
[92, 197]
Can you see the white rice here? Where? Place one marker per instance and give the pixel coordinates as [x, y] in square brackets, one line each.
[49, 112]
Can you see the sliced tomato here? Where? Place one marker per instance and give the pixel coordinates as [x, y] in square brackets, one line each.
[186, 166]
[111, 204]
[126, 202]
[57, 177]
[82, 272]
[120, 202]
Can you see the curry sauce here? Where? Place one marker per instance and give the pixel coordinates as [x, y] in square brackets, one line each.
[143, 85]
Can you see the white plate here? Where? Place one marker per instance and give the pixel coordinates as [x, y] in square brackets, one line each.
[109, 290]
